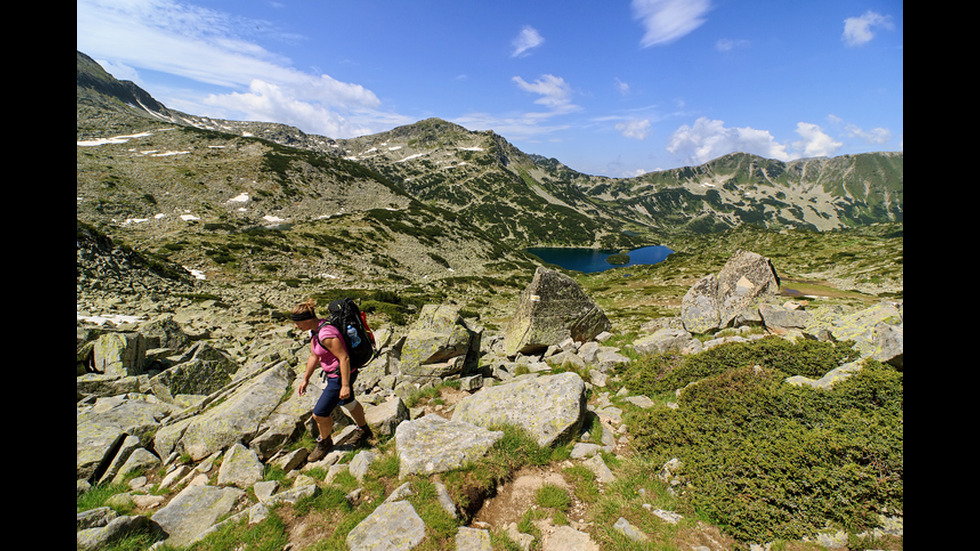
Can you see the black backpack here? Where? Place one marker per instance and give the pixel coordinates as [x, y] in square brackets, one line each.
[352, 324]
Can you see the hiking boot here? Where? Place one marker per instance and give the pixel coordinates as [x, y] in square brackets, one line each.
[362, 434]
[322, 448]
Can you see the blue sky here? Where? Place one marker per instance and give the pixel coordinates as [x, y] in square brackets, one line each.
[613, 88]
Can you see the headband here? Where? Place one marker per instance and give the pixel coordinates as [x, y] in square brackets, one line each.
[302, 316]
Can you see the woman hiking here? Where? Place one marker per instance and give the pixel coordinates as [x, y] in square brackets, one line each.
[329, 352]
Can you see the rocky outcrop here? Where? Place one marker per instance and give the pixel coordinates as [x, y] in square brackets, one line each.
[438, 345]
[732, 296]
[552, 308]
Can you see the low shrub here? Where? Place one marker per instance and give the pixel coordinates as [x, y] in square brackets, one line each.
[767, 460]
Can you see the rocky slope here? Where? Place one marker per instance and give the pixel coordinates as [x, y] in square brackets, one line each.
[194, 235]
[204, 409]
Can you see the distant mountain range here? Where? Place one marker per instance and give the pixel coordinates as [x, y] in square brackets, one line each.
[418, 200]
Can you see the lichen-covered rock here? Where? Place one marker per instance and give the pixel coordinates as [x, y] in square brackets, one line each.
[195, 509]
[392, 526]
[699, 307]
[668, 339]
[385, 417]
[437, 344]
[240, 467]
[237, 418]
[552, 308]
[119, 354]
[742, 281]
[733, 296]
[434, 444]
[550, 408]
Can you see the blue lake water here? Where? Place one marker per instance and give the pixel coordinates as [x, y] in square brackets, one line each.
[593, 260]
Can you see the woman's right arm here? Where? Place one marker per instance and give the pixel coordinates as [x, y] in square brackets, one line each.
[311, 364]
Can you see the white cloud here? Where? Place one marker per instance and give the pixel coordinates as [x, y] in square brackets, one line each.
[875, 136]
[622, 87]
[528, 39]
[859, 30]
[665, 21]
[727, 44]
[709, 139]
[815, 142]
[269, 102]
[635, 128]
[555, 93]
[202, 45]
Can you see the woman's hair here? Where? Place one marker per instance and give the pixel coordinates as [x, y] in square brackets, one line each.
[304, 311]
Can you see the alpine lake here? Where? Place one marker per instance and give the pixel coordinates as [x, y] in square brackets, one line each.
[595, 260]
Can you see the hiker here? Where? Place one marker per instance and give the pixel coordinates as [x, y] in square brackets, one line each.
[329, 352]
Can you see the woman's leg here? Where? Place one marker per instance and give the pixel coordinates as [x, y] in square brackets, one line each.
[357, 412]
[324, 425]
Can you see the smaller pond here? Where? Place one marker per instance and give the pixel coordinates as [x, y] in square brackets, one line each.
[594, 260]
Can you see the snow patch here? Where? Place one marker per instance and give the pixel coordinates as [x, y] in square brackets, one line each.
[115, 319]
[113, 140]
[410, 157]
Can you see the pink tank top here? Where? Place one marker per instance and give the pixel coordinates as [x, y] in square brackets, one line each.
[328, 362]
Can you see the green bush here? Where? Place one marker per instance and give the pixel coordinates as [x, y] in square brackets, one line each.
[661, 373]
[766, 460]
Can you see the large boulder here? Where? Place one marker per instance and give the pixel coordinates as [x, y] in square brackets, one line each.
[238, 417]
[201, 370]
[550, 408]
[194, 510]
[437, 345]
[433, 444]
[731, 297]
[552, 308]
[119, 354]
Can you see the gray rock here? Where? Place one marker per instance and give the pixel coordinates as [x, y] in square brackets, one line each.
[129, 444]
[699, 307]
[623, 526]
[551, 309]
[205, 371]
[361, 463]
[392, 526]
[116, 529]
[742, 281]
[598, 466]
[119, 354]
[240, 467]
[237, 418]
[566, 538]
[668, 340]
[779, 319]
[434, 444]
[140, 460]
[888, 344]
[385, 417]
[194, 510]
[732, 296]
[438, 337]
[551, 408]
[472, 539]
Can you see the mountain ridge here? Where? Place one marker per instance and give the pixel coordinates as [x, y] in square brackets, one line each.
[418, 203]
